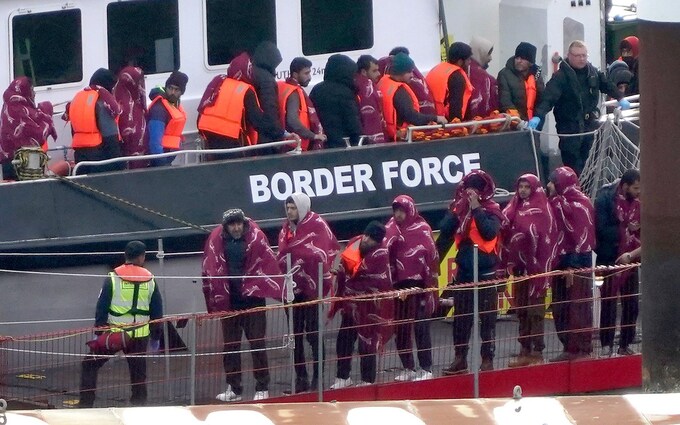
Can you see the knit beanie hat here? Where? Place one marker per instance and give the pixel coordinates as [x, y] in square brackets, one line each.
[375, 230]
[619, 72]
[103, 78]
[526, 51]
[459, 50]
[232, 216]
[401, 64]
[178, 79]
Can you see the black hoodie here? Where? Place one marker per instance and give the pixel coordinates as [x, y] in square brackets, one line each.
[336, 102]
[265, 60]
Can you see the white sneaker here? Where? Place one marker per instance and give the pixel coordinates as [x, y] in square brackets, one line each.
[362, 384]
[423, 375]
[261, 395]
[406, 375]
[228, 395]
[341, 383]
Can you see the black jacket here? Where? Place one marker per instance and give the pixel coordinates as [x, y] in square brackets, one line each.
[575, 95]
[489, 227]
[336, 103]
[265, 60]
[512, 92]
[606, 225]
[406, 112]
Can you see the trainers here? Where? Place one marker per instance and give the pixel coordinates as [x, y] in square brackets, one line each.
[341, 383]
[607, 351]
[565, 356]
[261, 395]
[487, 364]
[625, 351]
[458, 366]
[521, 361]
[423, 375]
[228, 395]
[406, 375]
[363, 384]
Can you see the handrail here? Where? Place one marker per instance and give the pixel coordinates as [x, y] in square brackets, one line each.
[475, 124]
[631, 99]
[296, 151]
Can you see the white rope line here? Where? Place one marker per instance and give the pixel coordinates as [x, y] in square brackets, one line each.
[548, 133]
[31, 272]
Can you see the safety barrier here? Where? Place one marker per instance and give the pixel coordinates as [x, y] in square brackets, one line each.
[189, 368]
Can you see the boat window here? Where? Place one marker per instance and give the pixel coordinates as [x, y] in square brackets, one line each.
[143, 34]
[235, 26]
[330, 26]
[48, 47]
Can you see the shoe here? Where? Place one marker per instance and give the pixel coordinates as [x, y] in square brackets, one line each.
[406, 375]
[522, 361]
[625, 351]
[607, 351]
[341, 383]
[487, 364]
[458, 367]
[228, 395]
[423, 375]
[301, 385]
[564, 357]
[363, 384]
[261, 395]
[536, 356]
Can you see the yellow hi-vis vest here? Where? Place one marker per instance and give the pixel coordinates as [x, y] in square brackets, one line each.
[131, 290]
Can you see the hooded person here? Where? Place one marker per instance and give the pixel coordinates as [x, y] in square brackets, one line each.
[336, 103]
[130, 93]
[529, 248]
[619, 74]
[95, 104]
[572, 295]
[415, 264]
[520, 84]
[225, 127]
[474, 218]
[167, 118]
[22, 123]
[266, 58]
[484, 99]
[239, 271]
[364, 270]
[450, 83]
[307, 241]
[630, 51]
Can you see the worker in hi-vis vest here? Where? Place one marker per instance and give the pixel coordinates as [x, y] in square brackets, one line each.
[127, 302]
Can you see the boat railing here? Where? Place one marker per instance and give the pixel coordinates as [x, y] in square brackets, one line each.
[631, 114]
[296, 151]
[472, 126]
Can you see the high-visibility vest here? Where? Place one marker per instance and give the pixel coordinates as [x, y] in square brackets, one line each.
[484, 245]
[351, 257]
[530, 88]
[285, 90]
[131, 290]
[227, 116]
[388, 87]
[438, 81]
[83, 119]
[174, 128]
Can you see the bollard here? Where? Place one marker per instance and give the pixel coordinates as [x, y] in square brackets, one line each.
[166, 343]
[319, 310]
[474, 356]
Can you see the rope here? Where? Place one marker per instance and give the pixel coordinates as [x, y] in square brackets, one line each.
[131, 204]
[155, 277]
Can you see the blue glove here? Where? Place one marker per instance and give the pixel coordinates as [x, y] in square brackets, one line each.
[624, 104]
[534, 123]
[154, 345]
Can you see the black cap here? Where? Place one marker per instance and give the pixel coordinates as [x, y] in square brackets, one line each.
[103, 78]
[178, 79]
[134, 249]
[232, 216]
[375, 230]
[526, 51]
[459, 50]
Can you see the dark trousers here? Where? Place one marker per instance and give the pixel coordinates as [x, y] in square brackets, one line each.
[629, 310]
[412, 317]
[253, 325]
[137, 366]
[572, 308]
[575, 151]
[463, 304]
[217, 141]
[347, 336]
[109, 148]
[531, 315]
[306, 322]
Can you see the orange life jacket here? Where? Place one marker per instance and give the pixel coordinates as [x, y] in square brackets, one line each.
[227, 116]
[285, 90]
[81, 113]
[173, 129]
[484, 245]
[530, 88]
[351, 258]
[388, 87]
[133, 273]
[438, 81]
